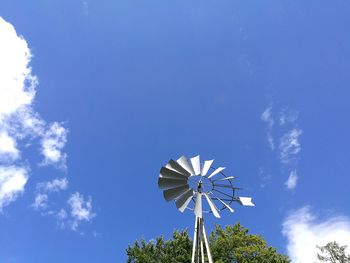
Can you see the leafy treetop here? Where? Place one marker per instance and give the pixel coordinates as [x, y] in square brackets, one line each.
[232, 244]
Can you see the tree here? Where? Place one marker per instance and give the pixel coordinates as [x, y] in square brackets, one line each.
[175, 250]
[232, 244]
[333, 252]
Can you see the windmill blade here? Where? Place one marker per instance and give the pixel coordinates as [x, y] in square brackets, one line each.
[212, 206]
[183, 201]
[226, 205]
[167, 173]
[218, 170]
[245, 201]
[166, 183]
[173, 165]
[185, 164]
[206, 167]
[198, 205]
[173, 193]
[196, 164]
[226, 178]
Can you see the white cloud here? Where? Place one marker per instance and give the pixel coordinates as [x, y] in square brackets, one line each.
[286, 141]
[26, 123]
[18, 120]
[304, 231]
[81, 210]
[62, 214]
[290, 146]
[12, 182]
[8, 148]
[17, 84]
[287, 116]
[53, 186]
[266, 117]
[292, 180]
[53, 142]
[17, 89]
[40, 201]
[21, 125]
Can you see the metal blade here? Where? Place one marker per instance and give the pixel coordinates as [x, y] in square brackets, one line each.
[198, 205]
[166, 183]
[183, 201]
[246, 201]
[173, 193]
[196, 164]
[173, 165]
[212, 206]
[206, 167]
[228, 207]
[185, 164]
[167, 173]
[218, 170]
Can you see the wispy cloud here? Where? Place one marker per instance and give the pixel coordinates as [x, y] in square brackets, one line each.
[55, 185]
[290, 146]
[292, 180]
[53, 141]
[8, 148]
[304, 231]
[12, 182]
[266, 117]
[287, 115]
[286, 142]
[40, 201]
[43, 189]
[21, 126]
[81, 210]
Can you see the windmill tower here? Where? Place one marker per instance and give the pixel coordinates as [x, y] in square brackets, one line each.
[188, 183]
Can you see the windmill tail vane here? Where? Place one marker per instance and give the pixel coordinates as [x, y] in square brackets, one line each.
[189, 182]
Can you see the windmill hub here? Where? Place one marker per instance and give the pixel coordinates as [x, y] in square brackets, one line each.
[199, 189]
[202, 184]
[186, 180]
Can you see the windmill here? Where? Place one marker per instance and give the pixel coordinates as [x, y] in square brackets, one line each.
[188, 183]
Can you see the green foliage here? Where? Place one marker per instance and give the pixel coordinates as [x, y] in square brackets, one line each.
[232, 244]
[175, 250]
[333, 252]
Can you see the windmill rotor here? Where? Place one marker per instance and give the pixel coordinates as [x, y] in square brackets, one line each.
[202, 188]
[184, 179]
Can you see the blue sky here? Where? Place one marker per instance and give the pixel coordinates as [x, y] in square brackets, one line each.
[117, 88]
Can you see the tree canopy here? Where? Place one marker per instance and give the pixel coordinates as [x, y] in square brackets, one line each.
[232, 244]
[333, 252]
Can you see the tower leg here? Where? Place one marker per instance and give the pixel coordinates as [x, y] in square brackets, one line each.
[206, 242]
[195, 240]
[200, 236]
[201, 241]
